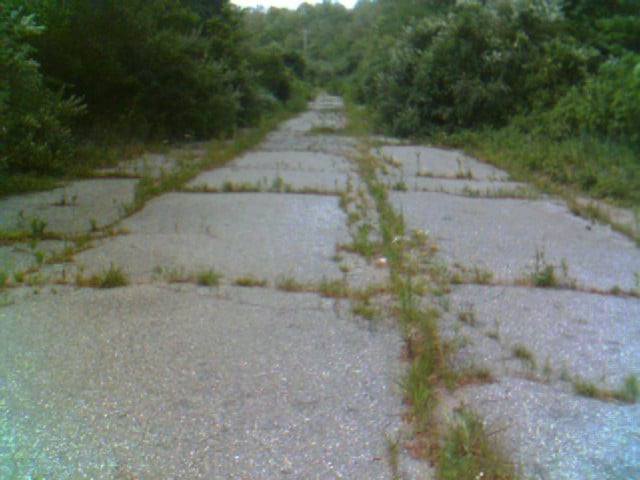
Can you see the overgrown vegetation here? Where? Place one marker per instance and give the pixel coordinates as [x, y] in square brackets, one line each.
[466, 447]
[629, 392]
[75, 73]
[111, 277]
[549, 89]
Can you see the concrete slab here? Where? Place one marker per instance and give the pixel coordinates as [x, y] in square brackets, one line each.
[503, 235]
[577, 335]
[14, 259]
[416, 160]
[298, 161]
[471, 188]
[264, 235]
[556, 435]
[155, 164]
[74, 208]
[152, 382]
[266, 180]
[284, 141]
[627, 217]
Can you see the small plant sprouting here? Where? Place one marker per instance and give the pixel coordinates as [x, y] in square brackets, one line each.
[468, 451]
[110, 278]
[208, 278]
[468, 315]
[461, 173]
[543, 274]
[333, 288]
[365, 310]
[39, 256]
[289, 284]
[37, 227]
[250, 281]
[525, 355]
[278, 185]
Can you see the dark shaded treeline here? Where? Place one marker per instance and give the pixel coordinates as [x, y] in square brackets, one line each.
[97, 70]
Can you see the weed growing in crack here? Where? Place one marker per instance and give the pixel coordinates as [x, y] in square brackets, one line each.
[468, 315]
[19, 276]
[468, 451]
[208, 278]
[543, 274]
[336, 288]
[362, 243]
[365, 310]
[412, 266]
[289, 284]
[250, 282]
[629, 392]
[525, 355]
[111, 277]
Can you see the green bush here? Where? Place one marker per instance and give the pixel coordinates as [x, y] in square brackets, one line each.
[606, 105]
[479, 65]
[34, 121]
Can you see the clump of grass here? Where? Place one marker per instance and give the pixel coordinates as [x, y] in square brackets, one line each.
[19, 276]
[4, 278]
[365, 310]
[400, 186]
[468, 315]
[629, 392]
[170, 275]
[37, 227]
[289, 284]
[336, 288]
[468, 451]
[250, 281]
[525, 355]
[208, 278]
[543, 274]
[230, 187]
[361, 241]
[111, 277]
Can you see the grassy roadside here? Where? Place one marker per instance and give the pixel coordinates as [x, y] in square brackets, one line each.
[601, 170]
[219, 152]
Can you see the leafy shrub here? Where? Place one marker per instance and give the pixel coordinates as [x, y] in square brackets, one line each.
[34, 121]
[607, 104]
[477, 66]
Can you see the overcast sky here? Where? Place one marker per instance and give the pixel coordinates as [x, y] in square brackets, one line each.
[292, 4]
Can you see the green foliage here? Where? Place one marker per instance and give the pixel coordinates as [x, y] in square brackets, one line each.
[476, 66]
[34, 130]
[112, 277]
[607, 105]
[208, 278]
[468, 451]
[151, 68]
[138, 70]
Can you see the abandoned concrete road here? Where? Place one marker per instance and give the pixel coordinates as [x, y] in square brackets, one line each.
[226, 358]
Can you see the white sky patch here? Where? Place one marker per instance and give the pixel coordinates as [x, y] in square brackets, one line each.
[291, 4]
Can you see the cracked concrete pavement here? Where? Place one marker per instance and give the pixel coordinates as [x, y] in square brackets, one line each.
[175, 380]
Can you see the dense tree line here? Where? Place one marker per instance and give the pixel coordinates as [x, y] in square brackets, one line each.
[549, 70]
[134, 69]
[559, 69]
